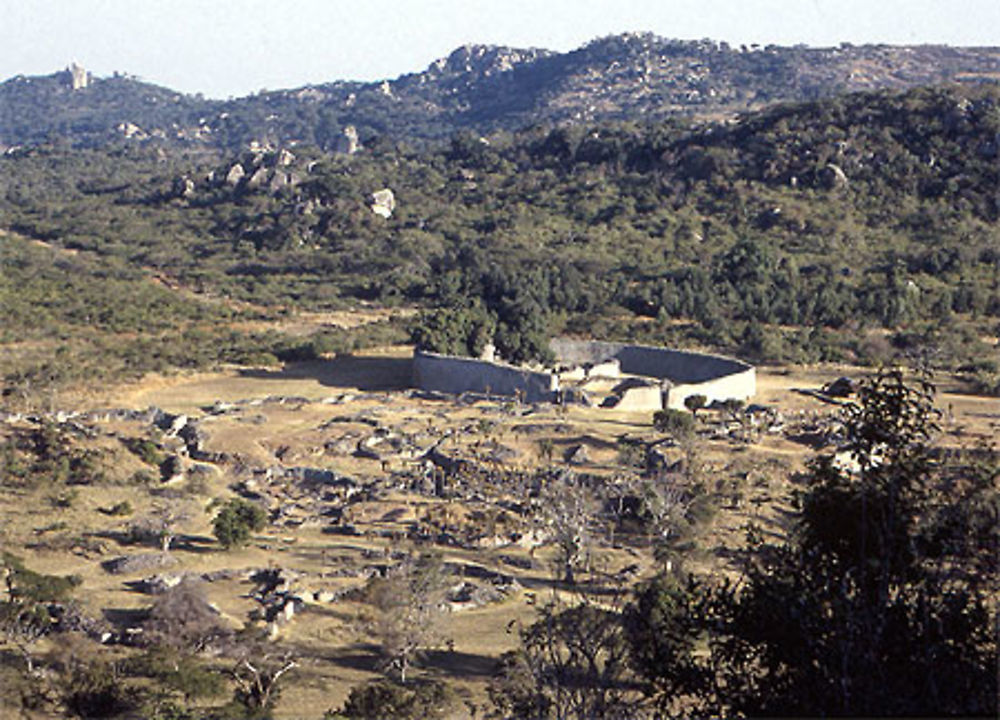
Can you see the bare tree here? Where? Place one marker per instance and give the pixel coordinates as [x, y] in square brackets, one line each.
[410, 606]
[665, 507]
[257, 681]
[162, 522]
[183, 618]
[566, 512]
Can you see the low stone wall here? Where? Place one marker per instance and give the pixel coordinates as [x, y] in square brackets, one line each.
[451, 374]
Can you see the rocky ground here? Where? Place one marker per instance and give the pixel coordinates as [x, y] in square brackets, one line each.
[355, 470]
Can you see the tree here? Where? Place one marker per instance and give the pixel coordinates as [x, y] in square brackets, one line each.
[573, 662]
[409, 603]
[160, 525]
[663, 626]
[236, 521]
[258, 683]
[880, 603]
[679, 425]
[25, 615]
[182, 618]
[694, 403]
[566, 511]
[428, 699]
[665, 508]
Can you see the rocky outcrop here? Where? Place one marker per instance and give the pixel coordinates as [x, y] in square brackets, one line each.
[235, 175]
[383, 203]
[348, 143]
[79, 78]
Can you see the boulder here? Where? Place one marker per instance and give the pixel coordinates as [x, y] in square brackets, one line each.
[235, 175]
[833, 177]
[578, 455]
[258, 178]
[383, 202]
[138, 563]
[348, 143]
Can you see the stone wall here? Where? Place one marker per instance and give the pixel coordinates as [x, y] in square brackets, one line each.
[680, 373]
[684, 373]
[450, 374]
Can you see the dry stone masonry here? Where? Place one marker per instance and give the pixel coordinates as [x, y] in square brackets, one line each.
[611, 375]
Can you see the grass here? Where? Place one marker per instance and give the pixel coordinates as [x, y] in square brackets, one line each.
[332, 639]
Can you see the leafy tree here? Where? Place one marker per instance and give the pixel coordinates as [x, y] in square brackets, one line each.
[695, 402]
[664, 625]
[573, 662]
[383, 698]
[675, 423]
[180, 674]
[25, 616]
[869, 609]
[236, 521]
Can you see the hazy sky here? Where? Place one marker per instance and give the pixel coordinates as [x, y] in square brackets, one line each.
[233, 47]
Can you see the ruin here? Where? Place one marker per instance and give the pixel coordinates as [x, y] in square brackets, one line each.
[604, 374]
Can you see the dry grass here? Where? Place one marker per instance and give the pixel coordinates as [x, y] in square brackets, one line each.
[332, 639]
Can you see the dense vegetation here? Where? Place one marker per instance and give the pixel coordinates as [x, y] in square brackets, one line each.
[854, 228]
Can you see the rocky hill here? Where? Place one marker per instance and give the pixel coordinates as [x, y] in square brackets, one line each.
[483, 89]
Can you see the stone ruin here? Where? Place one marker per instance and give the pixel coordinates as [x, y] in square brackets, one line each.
[608, 375]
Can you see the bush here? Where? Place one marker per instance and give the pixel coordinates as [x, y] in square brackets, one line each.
[236, 521]
[676, 423]
[429, 699]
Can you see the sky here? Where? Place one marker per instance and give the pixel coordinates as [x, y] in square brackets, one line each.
[224, 48]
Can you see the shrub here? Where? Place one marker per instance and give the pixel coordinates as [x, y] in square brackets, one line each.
[429, 699]
[236, 521]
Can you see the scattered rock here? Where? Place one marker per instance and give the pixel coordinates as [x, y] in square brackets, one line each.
[578, 455]
[138, 563]
[158, 584]
[383, 203]
[235, 175]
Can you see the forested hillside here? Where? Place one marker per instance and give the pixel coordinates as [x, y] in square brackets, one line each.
[850, 228]
[482, 89]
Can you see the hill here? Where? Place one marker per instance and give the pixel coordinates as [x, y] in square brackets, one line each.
[484, 89]
[852, 228]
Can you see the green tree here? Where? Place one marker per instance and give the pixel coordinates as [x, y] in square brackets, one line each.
[236, 521]
[694, 403]
[573, 662]
[880, 602]
[675, 423]
[427, 699]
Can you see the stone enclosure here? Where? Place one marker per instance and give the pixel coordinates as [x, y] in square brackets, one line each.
[609, 375]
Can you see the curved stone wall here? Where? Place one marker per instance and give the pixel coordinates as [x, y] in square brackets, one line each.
[681, 374]
[452, 374]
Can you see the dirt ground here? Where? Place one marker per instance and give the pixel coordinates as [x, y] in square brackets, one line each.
[310, 414]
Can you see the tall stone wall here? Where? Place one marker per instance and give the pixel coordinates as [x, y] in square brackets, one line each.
[450, 374]
[680, 373]
[684, 373]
